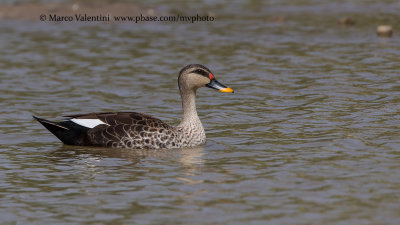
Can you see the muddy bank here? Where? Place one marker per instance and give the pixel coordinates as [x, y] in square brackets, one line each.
[33, 11]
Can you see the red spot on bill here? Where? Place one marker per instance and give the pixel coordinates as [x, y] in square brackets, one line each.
[211, 76]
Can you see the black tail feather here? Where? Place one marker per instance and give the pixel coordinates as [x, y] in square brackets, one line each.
[68, 132]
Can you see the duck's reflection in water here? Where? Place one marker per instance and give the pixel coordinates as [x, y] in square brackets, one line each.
[192, 160]
[95, 154]
[188, 161]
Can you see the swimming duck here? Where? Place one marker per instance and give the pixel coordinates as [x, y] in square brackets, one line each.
[139, 131]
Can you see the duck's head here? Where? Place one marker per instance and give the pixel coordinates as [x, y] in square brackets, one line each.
[195, 76]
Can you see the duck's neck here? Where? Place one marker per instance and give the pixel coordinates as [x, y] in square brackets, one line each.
[190, 129]
[190, 119]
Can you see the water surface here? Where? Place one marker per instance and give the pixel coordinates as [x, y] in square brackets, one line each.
[311, 135]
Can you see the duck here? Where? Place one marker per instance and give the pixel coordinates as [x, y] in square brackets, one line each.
[133, 130]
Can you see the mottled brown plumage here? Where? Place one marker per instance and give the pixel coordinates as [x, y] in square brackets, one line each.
[140, 131]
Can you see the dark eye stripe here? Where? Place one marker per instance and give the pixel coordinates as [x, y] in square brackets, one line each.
[201, 72]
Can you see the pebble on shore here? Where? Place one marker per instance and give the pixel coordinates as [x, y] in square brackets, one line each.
[346, 21]
[384, 31]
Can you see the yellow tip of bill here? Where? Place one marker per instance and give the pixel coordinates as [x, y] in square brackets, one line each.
[226, 90]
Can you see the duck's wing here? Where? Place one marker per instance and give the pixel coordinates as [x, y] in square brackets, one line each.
[123, 129]
[91, 120]
[120, 129]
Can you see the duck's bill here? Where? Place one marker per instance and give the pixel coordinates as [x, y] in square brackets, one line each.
[218, 86]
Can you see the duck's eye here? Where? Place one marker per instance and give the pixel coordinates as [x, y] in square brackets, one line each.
[201, 72]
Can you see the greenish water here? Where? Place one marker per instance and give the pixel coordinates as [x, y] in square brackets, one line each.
[311, 135]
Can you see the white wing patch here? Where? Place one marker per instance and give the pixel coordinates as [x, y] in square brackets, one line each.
[89, 123]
